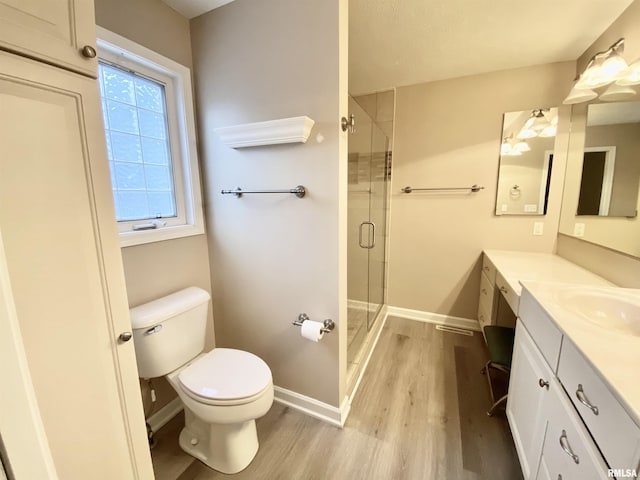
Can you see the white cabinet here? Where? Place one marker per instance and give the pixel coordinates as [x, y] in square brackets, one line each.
[557, 433]
[528, 390]
[568, 452]
[65, 268]
[53, 31]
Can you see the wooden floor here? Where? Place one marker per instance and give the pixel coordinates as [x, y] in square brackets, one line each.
[419, 414]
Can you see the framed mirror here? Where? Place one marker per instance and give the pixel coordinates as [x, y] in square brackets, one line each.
[526, 161]
[601, 194]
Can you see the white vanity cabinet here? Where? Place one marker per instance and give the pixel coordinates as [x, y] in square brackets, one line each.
[59, 32]
[568, 452]
[567, 423]
[528, 389]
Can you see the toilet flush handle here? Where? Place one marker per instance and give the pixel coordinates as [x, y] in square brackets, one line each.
[154, 329]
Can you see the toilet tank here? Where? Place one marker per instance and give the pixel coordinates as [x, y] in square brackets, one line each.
[170, 331]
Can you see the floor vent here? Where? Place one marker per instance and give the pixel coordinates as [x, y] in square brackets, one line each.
[459, 331]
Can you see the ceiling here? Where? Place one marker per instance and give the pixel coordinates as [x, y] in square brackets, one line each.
[403, 42]
[193, 8]
[613, 113]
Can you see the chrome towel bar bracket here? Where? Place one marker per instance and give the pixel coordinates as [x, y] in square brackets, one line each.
[298, 191]
[473, 188]
[329, 324]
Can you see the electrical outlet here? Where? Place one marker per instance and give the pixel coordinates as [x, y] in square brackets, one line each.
[531, 208]
[504, 207]
[578, 230]
[538, 228]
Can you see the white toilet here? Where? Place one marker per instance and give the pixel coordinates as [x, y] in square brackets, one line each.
[223, 391]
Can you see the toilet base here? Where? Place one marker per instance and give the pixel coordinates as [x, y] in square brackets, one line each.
[227, 448]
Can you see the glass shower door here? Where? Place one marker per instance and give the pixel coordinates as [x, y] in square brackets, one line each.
[368, 147]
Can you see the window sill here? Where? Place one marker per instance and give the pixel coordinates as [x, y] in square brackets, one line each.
[129, 239]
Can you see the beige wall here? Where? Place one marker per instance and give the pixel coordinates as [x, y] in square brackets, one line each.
[626, 138]
[150, 23]
[275, 256]
[156, 269]
[447, 134]
[620, 268]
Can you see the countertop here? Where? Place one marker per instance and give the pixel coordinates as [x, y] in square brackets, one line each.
[613, 354]
[517, 267]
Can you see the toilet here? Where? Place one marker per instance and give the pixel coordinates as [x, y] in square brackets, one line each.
[223, 391]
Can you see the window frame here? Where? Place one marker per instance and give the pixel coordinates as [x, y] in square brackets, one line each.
[123, 53]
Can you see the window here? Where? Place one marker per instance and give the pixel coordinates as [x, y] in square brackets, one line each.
[150, 135]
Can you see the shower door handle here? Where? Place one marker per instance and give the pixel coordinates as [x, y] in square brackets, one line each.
[373, 232]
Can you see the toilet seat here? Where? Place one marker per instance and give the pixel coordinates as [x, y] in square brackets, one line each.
[226, 376]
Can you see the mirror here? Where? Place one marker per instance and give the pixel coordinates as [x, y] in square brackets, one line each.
[526, 160]
[600, 201]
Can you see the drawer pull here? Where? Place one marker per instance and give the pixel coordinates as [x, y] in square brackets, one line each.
[485, 268]
[504, 290]
[484, 290]
[543, 383]
[564, 443]
[582, 398]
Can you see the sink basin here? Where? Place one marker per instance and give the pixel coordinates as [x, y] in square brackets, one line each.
[608, 308]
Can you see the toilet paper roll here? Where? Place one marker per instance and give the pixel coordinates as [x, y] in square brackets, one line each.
[312, 330]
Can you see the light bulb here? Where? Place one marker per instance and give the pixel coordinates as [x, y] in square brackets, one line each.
[527, 133]
[549, 131]
[505, 148]
[617, 92]
[577, 95]
[632, 75]
[522, 146]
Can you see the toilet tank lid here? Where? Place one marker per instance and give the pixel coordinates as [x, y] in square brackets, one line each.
[157, 311]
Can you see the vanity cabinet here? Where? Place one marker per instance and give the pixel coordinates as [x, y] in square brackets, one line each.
[566, 422]
[492, 309]
[568, 452]
[602, 413]
[58, 32]
[528, 389]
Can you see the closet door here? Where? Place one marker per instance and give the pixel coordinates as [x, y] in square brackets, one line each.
[54, 31]
[65, 269]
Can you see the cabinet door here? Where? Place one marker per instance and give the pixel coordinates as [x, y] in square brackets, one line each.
[54, 31]
[65, 269]
[527, 392]
[568, 452]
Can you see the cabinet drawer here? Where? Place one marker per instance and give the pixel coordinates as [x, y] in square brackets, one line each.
[486, 293]
[512, 298]
[614, 431]
[547, 336]
[568, 452]
[488, 269]
[484, 316]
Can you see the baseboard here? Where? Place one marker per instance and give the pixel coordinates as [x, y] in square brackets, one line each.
[312, 407]
[436, 318]
[360, 305]
[166, 413]
[382, 320]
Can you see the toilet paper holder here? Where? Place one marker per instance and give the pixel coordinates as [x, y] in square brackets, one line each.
[329, 324]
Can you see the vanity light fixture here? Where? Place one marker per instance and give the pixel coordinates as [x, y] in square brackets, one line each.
[538, 125]
[617, 93]
[633, 75]
[603, 69]
[522, 146]
[508, 148]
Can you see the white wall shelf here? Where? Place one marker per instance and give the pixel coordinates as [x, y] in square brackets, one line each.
[272, 132]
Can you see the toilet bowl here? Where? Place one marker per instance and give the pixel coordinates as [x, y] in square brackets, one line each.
[223, 391]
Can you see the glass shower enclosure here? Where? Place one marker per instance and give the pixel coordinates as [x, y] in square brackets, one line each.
[369, 157]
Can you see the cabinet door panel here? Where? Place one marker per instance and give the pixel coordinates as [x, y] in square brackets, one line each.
[53, 31]
[526, 400]
[64, 263]
[569, 451]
